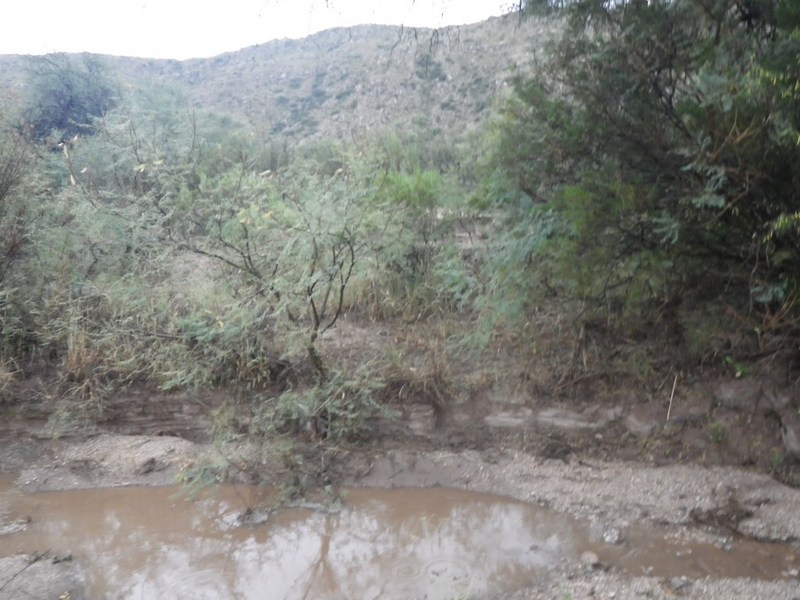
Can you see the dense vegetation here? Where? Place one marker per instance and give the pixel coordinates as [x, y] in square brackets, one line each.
[146, 244]
[645, 177]
[658, 150]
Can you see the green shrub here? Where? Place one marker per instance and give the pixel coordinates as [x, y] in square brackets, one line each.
[66, 95]
[664, 136]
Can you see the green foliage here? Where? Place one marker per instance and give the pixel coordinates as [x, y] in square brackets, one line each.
[339, 409]
[291, 439]
[175, 250]
[739, 370]
[24, 197]
[66, 94]
[777, 461]
[101, 288]
[543, 7]
[419, 190]
[415, 151]
[718, 433]
[295, 236]
[424, 272]
[16, 160]
[518, 276]
[516, 272]
[417, 195]
[211, 471]
[664, 136]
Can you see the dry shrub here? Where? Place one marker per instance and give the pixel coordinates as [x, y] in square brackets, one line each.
[412, 386]
[8, 373]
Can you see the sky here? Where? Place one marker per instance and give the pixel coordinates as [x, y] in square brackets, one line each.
[199, 28]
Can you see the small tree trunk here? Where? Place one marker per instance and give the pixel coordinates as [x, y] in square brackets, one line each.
[316, 359]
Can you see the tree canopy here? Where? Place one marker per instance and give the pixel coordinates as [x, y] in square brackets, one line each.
[66, 94]
[666, 135]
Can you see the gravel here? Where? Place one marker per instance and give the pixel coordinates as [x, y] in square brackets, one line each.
[617, 586]
[615, 496]
[618, 494]
[109, 461]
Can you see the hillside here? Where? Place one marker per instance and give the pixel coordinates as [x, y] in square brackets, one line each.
[344, 82]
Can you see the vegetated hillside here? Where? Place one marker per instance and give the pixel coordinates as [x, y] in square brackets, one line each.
[344, 82]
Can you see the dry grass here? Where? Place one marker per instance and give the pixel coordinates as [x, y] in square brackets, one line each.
[8, 374]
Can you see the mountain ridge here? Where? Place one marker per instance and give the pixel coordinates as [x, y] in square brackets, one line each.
[343, 82]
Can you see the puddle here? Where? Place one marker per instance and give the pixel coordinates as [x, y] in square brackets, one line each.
[148, 543]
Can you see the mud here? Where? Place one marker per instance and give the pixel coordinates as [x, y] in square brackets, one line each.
[108, 460]
[150, 543]
[631, 483]
[41, 576]
[363, 543]
[618, 495]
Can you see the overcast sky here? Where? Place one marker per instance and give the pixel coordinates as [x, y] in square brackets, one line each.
[198, 28]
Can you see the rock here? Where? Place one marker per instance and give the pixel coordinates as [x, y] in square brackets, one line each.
[790, 433]
[790, 423]
[613, 536]
[151, 465]
[590, 559]
[677, 585]
[557, 449]
[639, 427]
[738, 394]
[518, 418]
[562, 418]
[15, 527]
[38, 576]
[724, 516]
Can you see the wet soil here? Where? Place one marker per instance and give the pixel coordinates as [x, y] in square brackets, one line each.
[702, 459]
[368, 544]
[436, 543]
[707, 532]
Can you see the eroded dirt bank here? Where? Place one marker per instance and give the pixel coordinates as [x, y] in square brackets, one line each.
[716, 504]
[689, 460]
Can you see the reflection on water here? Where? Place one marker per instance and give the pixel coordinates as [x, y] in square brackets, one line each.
[148, 543]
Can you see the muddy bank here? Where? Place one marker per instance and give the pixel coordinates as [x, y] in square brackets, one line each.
[722, 499]
[579, 585]
[715, 505]
[107, 460]
[41, 576]
[725, 500]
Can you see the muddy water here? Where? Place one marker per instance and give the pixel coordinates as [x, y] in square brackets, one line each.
[150, 543]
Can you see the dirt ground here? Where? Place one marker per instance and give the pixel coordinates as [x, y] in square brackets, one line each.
[561, 474]
[616, 495]
[702, 457]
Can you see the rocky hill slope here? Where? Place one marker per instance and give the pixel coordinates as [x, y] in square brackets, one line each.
[344, 82]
